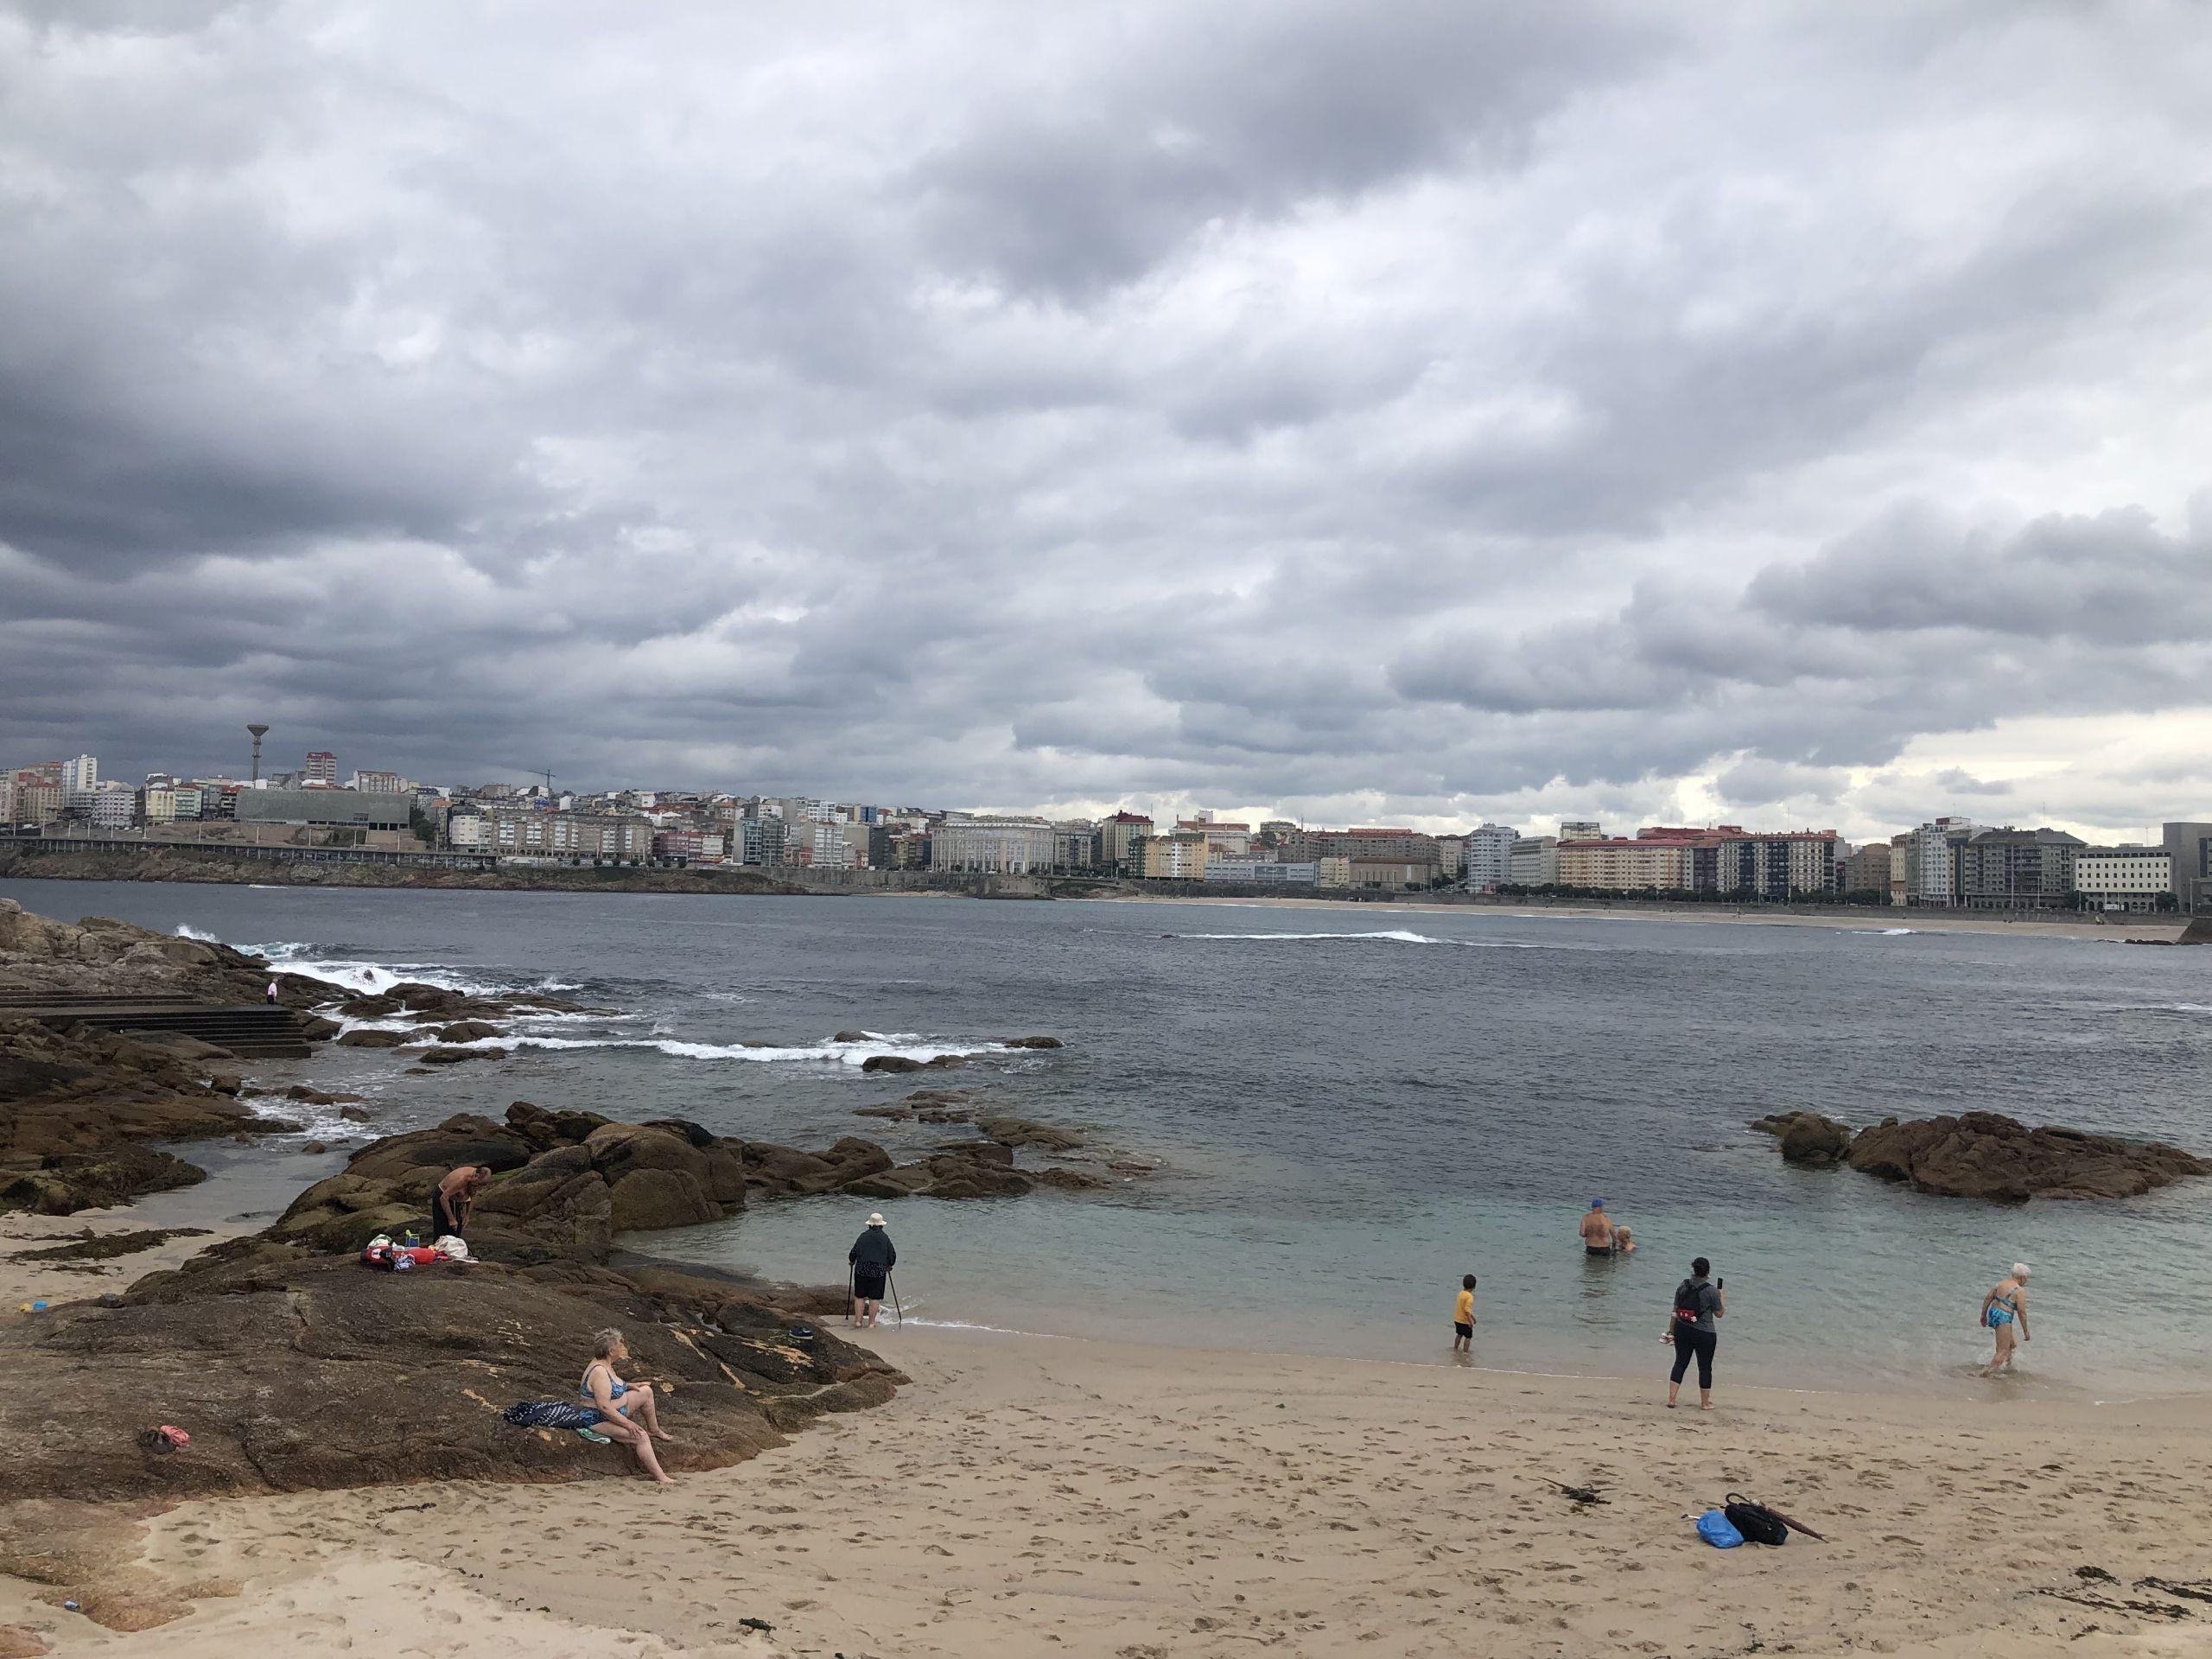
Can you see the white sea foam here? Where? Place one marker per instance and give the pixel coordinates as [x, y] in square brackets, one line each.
[827, 1052]
[1897, 933]
[1398, 935]
[1393, 935]
[367, 978]
[186, 930]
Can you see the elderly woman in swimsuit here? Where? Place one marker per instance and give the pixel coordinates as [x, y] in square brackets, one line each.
[2002, 1310]
[613, 1404]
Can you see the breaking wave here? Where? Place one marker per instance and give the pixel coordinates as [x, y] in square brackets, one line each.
[366, 978]
[1394, 936]
[905, 1046]
[1397, 934]
[186, 930]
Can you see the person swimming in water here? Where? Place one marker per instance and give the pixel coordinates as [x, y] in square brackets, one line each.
[2002, 1310]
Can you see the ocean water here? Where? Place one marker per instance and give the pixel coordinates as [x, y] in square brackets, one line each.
[1351, 1110]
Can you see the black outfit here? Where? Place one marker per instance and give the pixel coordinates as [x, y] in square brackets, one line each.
[1695, 1334]
[442, 1219]
[873, 1256]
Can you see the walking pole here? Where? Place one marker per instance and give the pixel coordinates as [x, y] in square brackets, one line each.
[895, 1308]
[850, 1271]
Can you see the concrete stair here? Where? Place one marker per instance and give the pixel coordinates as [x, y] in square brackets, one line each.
[250, 1029]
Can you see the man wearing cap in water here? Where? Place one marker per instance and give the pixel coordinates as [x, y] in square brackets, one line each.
[873, 1256]
[1597, 1229]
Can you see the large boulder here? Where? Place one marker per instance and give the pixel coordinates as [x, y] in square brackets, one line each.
[1986, 1155]
[372, 1037]
[1808, 1138]
[293, 1371]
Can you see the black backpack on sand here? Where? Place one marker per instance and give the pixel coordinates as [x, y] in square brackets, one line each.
[1758, 1525]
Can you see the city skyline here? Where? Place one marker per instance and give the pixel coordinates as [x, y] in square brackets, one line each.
[1417, 414]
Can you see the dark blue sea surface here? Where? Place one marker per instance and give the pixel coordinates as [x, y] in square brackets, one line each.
[1352, 1108]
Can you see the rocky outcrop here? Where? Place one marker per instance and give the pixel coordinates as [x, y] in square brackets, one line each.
[77, 1105]
[100, 955]
[1808, 1138]
[567, 1182]
[1984, 1155]
[372, 1037]
[455, 1056]
[1019, 1132]
[1032, 1042]
[296, 1371]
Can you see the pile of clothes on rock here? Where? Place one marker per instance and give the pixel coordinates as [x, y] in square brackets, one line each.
[399, 1258]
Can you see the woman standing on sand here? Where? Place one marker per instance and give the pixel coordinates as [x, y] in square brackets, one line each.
[2002, 1309]
[1698, 1303]
[611, 1404]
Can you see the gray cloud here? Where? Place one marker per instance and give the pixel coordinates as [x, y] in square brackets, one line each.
[1425, 411]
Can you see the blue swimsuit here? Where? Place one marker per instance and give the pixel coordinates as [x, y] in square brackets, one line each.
[616, 1388]
[2000, 1310]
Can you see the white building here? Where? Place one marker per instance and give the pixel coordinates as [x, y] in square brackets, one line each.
[2128, 877]
[1580, 829]
[1002, 846]
[1259, 872]
[1490, 857]
[105, 806]
[470, 831]
[81, 774]
[322, 769]
[1931, 870]
[1533, 862]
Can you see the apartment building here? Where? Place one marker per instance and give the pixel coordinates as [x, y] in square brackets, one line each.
[1621, 866]
[1075, 845]
[2017, 869]
[1222, 840]
[1180, 857]
[1489, 858]
[525, 832]
[1533, 862]
[1867, 870]
[1115, 835]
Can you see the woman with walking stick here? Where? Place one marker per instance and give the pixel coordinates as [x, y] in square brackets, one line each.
[872, 1258]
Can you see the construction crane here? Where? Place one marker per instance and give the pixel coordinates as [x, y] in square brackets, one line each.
[539, 771]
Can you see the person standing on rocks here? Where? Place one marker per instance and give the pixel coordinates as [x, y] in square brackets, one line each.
[2002, 1310]
[1698, 1303]
[272, 993]
[451, 1204]
[872, 1258]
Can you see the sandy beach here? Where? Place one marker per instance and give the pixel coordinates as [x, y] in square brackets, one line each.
[2136, 927]
[1030, 1495]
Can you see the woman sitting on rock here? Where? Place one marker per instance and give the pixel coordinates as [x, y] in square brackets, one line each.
[612, 1404]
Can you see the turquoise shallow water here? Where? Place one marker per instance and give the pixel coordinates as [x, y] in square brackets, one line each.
[1352, 1110]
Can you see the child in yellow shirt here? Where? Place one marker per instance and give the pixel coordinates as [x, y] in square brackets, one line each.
[1463, 1318]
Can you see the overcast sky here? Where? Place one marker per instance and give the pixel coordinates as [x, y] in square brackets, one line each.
[1784, 415]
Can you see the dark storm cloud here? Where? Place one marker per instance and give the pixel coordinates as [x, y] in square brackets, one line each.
[1410, 411]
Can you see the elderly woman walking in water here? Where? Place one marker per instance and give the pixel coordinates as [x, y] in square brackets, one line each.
[613, 1404]
[2003, 1310]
